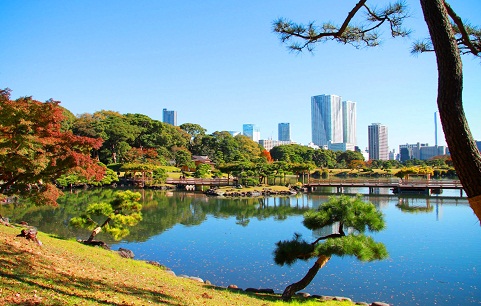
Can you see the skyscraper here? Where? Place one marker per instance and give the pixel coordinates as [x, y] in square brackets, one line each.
[326, 116]
[251, 131]
[349, 122]
[333, 121]
[284, 132]
[378, 145]
[169, 117]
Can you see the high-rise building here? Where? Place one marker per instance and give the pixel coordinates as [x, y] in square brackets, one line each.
[333, 121]
[169, 116]
[349, 122]
[326, 119]
[378, 145]
[251, 131]
[284, 132]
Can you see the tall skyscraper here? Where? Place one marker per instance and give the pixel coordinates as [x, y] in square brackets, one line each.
[378, 145]
[169, 117]
[326, 116]
[333, 121]
[251, 131]
[284, 132]
[349, 122]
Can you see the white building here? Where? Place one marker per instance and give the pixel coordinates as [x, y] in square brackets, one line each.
[378, 142]
[268, 144]
[349, 122]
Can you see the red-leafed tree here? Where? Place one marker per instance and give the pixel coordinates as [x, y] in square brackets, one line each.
[35, 150]
[142, 155]
[267, 155]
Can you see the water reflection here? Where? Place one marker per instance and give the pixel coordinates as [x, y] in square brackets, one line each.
[434, 243]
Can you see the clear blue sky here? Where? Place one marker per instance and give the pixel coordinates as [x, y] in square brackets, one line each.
[218, 64]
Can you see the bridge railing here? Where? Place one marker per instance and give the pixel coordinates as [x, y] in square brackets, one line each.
[390, 181]
[199, 181]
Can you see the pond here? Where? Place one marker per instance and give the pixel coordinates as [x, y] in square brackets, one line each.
[434, 243]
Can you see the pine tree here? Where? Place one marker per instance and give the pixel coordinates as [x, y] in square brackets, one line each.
[348, 214]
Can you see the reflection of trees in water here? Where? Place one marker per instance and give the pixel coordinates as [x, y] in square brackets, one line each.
[410, 205]
[161, 210]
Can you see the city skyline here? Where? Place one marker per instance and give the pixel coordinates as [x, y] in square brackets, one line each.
[85, 55]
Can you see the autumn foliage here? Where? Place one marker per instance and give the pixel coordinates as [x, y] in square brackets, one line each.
[267, 155]
[34, 150]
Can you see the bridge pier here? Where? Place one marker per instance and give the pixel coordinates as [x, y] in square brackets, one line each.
[340, 189]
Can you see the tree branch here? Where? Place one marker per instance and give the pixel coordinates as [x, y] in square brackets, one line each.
[459, 23]
[349, 17]
[327, 237]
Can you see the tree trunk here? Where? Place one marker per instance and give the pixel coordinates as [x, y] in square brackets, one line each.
[306, 280]
[97, 230]
[464, 153]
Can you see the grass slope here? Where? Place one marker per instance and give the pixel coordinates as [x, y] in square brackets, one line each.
[65, 272]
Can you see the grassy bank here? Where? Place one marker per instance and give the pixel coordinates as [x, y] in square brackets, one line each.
[65, 272]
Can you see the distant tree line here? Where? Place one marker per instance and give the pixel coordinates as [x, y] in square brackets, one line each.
[43, 144]
[132, 138]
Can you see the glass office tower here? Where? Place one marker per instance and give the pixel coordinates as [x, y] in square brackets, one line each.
[284, 132]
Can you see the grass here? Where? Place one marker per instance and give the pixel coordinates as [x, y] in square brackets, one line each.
[65, 272]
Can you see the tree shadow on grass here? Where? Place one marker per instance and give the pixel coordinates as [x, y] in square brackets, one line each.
[17, 272]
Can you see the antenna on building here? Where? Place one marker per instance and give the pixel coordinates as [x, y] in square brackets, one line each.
[436, 129]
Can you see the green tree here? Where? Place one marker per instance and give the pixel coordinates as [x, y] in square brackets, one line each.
[347, 214]
[324, 158]
[122, 212]
[77, 179]
[292, 153]
[202, 171]
[348, 157]
[450, 37]
[196, 133]
[183, 158]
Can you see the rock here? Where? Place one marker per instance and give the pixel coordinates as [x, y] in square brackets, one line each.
[379, 304]
[342, 299]
[326, 298]
[303, 294]
[207, 282]
[125, 253]
[171, 272]
[234, 288]
[30, 234]
[197, 279]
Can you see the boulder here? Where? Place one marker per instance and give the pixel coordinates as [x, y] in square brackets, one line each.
[125, 253]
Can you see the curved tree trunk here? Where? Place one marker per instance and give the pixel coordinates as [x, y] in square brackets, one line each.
[97, 230]
[464, 153]
[306, 280]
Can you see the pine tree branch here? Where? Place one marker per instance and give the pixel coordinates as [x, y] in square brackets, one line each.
[459, 23]
[327, 237]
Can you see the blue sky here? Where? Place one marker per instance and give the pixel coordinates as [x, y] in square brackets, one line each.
[218, 64]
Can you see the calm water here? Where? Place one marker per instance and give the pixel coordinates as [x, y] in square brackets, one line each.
[434, 244]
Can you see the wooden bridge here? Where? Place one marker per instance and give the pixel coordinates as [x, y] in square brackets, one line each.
[425, 187]
[198, 183]
[401, 186]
